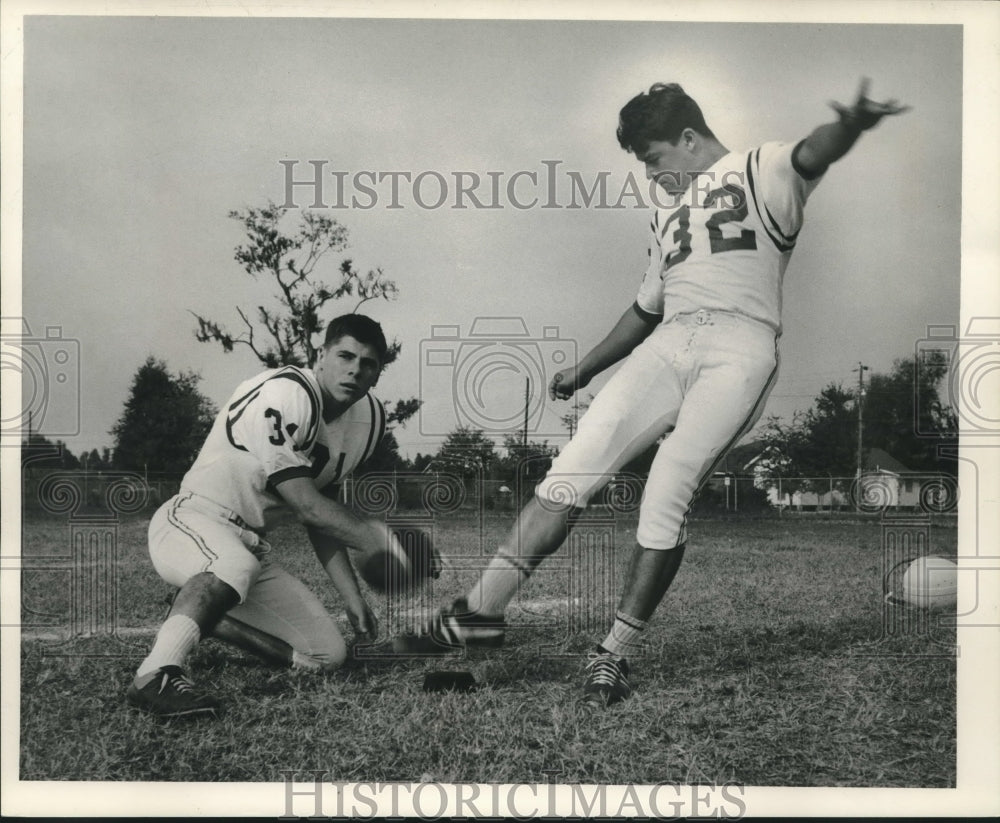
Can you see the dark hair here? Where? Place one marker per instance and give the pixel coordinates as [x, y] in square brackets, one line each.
[662, 113]
[361, 328]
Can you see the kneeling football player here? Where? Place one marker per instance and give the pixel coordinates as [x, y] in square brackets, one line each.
[282, 438]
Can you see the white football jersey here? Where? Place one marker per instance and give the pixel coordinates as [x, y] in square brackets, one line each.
[724, 245]
[273, 429]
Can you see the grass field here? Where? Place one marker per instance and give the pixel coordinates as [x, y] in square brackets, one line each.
[767, 665]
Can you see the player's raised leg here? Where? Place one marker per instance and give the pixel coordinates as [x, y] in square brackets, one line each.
[477, 619]
[625, 418]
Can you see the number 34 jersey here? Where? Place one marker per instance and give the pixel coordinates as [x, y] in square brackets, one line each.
[272, 429]
[725, 243]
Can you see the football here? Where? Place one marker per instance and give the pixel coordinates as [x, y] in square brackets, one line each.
[404, 562]
[930, 582]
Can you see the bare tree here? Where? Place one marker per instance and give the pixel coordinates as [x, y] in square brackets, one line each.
[289, 333]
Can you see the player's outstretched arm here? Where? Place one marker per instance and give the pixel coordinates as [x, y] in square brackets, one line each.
[831, 141]
[333, 557]
[630, 330]
[326, 516]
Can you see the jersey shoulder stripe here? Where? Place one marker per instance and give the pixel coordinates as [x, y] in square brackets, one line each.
[232, 419]
[315, 400]
[286, 474]
[240, 405]
[789, 238]
[377, 429]
[782, 241]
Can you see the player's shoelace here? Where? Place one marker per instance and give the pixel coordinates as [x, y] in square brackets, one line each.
[179, 682]
[604, 670]
[438, 628]
[607, 681]
[455, 628]
[445, 628]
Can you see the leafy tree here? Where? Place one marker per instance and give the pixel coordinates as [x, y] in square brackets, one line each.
[905, 416]
[819, 443]
[466, 452]
[385, 458]
[96, 461]
[165, 420]
[290, 260]
[403, 411]
[526, 462]
[421, 462]
[291, 333]
[39, 452]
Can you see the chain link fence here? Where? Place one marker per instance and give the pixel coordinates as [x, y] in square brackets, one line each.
[439, 493]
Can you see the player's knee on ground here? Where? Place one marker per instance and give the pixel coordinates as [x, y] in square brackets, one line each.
[322, 655]
[320, 660]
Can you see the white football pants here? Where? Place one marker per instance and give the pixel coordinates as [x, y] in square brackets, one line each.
[190, 534]
[702, 379]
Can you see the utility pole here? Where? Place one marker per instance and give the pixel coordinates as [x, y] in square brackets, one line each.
[861, 369]
[527, 396]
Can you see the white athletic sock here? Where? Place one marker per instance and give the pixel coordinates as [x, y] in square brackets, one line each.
[625, 636]
[174, 641]
[498, 585]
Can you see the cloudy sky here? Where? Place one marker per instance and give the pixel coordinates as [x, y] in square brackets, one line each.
[141, 134]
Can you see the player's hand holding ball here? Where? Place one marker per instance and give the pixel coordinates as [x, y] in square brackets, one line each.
[364, 623]
[402, 559]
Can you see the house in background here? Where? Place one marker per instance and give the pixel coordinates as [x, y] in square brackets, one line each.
[886, 480]
[885, 484]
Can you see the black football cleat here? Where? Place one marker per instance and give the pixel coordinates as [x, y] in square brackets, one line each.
[452, 630]
[170, 693]
[607, 679]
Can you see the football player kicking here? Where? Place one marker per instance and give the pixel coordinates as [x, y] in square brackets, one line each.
[281, 441]
[701, 347]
